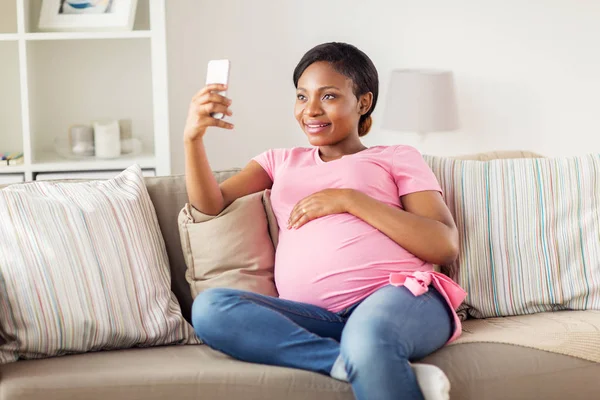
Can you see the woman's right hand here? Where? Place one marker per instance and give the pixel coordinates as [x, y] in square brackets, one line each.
[205, 102]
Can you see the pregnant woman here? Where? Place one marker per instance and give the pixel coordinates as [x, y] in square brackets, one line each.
[360, 230]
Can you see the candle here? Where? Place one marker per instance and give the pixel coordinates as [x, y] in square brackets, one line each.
[107, 139]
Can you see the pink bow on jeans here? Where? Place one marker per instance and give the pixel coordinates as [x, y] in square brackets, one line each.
[418, 283]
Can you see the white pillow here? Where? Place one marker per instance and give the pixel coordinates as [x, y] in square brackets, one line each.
[529, 232]
[83, 267]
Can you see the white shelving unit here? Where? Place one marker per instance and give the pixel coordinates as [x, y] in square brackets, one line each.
[52, 80]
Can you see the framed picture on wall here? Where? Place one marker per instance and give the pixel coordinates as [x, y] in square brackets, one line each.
[87, 15]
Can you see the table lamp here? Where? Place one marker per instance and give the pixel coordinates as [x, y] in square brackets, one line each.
[421, 101]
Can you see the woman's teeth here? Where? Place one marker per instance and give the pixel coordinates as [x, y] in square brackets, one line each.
[315, 129]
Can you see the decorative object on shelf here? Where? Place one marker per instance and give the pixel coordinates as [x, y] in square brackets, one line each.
[10, 159]
[87, 15]
[81, 140]
[422, 101]
[107, 139]
[103, 139]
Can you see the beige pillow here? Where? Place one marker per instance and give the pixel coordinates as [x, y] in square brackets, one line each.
[232, 249]
[271, 219]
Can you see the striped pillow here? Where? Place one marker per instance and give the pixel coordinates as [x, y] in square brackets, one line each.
[529, 232]
[83, 267]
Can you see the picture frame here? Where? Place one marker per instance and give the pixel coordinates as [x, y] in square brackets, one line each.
[87, 15]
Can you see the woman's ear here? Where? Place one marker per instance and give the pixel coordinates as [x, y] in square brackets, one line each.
[365, 101]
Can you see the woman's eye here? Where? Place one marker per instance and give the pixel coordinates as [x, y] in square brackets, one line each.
[328, 97]
[300, 97]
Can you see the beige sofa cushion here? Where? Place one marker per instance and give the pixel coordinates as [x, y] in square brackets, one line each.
[572, 333]
[476, 371]
[492, 371]
[171, 372]
[232, 249]
[83, 267]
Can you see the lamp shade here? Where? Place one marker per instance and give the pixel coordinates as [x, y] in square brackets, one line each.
[421, 100]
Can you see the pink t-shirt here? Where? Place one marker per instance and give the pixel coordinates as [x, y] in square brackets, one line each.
[338, 260]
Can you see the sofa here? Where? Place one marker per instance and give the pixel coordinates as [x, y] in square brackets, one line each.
[476, 370]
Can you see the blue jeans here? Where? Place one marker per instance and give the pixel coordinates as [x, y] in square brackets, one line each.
[375, 339]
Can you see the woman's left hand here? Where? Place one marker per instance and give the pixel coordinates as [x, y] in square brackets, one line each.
[320, 204]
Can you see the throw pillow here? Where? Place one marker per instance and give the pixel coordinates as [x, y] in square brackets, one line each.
[271, 219]
[83, 267]
[529, 232]
[232, 249]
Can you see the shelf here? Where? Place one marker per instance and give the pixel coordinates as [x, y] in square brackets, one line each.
[52, 80]
[87, 35]
[51, 162]
[54, 163]
[17, 169]
[6, 180]
[8, 37]
[12, 37]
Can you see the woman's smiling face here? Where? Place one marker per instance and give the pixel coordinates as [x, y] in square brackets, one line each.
[326, 107]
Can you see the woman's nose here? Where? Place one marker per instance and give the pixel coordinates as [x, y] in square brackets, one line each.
[313, 107]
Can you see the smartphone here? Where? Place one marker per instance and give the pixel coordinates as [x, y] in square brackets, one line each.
[218, 72]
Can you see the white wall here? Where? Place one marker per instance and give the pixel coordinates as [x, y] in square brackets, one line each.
[527, 72]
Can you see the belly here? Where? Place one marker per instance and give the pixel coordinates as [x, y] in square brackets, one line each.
[336, 261]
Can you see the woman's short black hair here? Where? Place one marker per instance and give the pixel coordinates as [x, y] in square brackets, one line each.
[350, 62]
